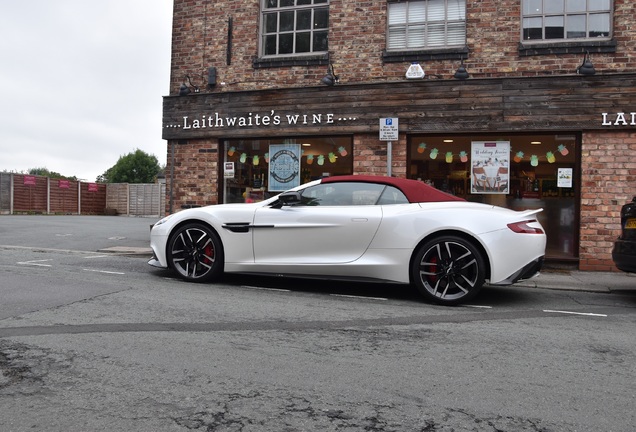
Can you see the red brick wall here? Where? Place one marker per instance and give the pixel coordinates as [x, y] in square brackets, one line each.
[608, 171]
[357, 40]
[196, 175]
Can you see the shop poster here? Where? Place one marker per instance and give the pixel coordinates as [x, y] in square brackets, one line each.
[490, 170]
[284, 167]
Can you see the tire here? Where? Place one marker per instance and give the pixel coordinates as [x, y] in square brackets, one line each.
[448, 270]
[195, 252]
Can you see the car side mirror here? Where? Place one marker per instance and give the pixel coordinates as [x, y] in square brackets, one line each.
[290, 198]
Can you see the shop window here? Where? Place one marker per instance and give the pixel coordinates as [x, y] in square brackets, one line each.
[294, 27]
[566, 20]
[246, 168]
[534, 171]
[426, 24]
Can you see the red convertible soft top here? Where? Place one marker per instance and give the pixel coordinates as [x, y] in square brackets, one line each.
[415, 191]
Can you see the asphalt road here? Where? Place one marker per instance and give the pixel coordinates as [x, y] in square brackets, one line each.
[99, 341]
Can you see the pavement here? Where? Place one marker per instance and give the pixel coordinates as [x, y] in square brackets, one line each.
[577, 280]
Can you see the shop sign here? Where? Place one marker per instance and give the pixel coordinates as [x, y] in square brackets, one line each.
[218, 120]
[619, 119]
[284, 166]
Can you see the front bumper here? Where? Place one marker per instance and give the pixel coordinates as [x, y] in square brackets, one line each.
[624, 255]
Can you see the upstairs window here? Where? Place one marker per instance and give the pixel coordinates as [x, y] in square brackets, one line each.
[424, 24]
[294, 27]
[566, 19]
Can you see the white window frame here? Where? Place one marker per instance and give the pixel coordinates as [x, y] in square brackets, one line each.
[285, 6]
[418, 24]
[546, 11]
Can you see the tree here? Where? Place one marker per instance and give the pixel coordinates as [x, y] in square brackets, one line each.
[135, 167]
[44, 172]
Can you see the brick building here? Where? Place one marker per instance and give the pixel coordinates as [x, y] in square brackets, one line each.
[546, 87]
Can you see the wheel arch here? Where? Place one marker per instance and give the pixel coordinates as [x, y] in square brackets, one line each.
[198, 221]
[464, 235]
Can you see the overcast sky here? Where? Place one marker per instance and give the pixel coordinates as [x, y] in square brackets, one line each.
[81, 83]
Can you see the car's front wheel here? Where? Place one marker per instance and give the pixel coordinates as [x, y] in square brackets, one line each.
[196, 253]
[448, 270]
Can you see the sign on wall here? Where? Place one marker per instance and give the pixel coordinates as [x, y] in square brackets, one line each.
[389, 129]
[490, 170]
[284, 166]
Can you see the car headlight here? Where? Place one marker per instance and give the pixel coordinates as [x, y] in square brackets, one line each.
[162, 221]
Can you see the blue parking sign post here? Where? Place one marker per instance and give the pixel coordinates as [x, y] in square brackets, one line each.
[389, 132]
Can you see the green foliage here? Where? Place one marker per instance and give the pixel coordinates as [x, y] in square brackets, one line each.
[135, 167]
[44, 172]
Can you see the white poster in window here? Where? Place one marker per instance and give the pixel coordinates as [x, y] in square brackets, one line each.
[490, 167]
[228, 170]
[284, 167]
[564, 177]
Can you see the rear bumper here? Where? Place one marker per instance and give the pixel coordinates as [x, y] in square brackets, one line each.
[528, 271]
[624, 255]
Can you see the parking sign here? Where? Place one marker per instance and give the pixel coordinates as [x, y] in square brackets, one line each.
[388, 129]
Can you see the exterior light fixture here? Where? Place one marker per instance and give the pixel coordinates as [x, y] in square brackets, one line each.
[186, 89]
[331, 78]
[461, 73]
[586, 68]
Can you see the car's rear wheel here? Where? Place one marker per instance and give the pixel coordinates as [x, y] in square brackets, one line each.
[196, 253]
[448, 270]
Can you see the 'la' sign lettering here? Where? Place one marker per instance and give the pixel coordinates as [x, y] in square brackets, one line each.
[620, 119]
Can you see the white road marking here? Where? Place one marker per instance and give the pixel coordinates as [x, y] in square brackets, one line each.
[95, 256]
[478, 306]
[359, 297]
[264, 289]
[104, 271]
[573, 313]
[36, 263]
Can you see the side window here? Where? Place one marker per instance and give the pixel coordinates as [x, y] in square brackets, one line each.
[342, 194]
[294, 27]
[392, 195]
[566, 19]
[422, 24]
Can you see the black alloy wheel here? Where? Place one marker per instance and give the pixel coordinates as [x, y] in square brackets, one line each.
[196, 253]
[448, 270]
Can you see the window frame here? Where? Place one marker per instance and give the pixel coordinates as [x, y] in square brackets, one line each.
[564, 14]
[266, 9]
[426, 23]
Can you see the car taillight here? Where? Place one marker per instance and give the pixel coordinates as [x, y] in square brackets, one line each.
[524, 227]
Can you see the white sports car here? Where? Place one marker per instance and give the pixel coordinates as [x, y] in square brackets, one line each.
[373, 228]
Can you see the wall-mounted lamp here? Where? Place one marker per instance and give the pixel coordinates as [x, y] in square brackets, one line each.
[186, 89]
[461, 73]
[331, 78]
[586, 68]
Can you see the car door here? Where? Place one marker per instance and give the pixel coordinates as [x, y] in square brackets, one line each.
[332, 225]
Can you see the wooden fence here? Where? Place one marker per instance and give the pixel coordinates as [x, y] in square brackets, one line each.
[21, 193]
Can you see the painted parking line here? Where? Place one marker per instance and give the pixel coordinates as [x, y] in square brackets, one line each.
[264, 289]
[36, 263]
[104, 271]
[359, 297]
[573, 313]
